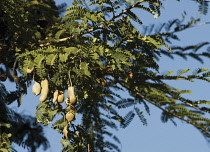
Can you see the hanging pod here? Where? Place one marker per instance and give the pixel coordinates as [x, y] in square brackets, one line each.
[65, 132]
[44, 90]
[55, 96]
[72, 98]
[36, 88]
[71, 91]
[60, 96]
[43, 98]
[70, 116]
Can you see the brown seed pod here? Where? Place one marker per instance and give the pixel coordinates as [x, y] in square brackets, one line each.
[36, 88]
[70, 116]
[65, 132]
[44, 90]
[103, 82]
[60, 96]
[130, 74]
[55, 96]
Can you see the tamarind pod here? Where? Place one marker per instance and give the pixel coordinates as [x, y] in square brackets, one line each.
[65, 132]
[73, 99]
[36, 88]
[43, 97]
[70, 116]
[44, 90]
[44, 83]
[55, 96]
[60, 97]
[71, 91]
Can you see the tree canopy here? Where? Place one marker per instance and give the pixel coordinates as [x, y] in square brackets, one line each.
[80, 62]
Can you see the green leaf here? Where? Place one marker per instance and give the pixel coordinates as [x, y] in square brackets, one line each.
[50, 59]
[71, 50]
[4, 124]
[127, 119]
[4, 150]
[38, 60]
[185, 91]
[84, 67]
[94, 56]
[170, 72]
[94, 18]
[38, 35]
[58, 34]
[141, 116]
[63, 57]
[64, 142]
[180, 72]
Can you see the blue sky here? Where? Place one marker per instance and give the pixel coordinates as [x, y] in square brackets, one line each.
[156, 137]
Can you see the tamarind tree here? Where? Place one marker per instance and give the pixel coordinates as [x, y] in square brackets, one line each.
[79, 62]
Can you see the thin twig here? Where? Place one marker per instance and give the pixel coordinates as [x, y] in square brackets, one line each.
[70, 82]
[202, 24]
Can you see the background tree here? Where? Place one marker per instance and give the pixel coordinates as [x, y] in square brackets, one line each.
[97, 49]
[18, 128]
[20, 24]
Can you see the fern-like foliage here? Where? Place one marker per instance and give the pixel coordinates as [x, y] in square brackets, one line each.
[203, 7]
[97, 50]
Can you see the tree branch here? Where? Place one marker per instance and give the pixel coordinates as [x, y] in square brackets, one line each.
[177, 116]
[126, 10]
[95, 28]
[167, 111]
[70, 37]
[183, 100]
